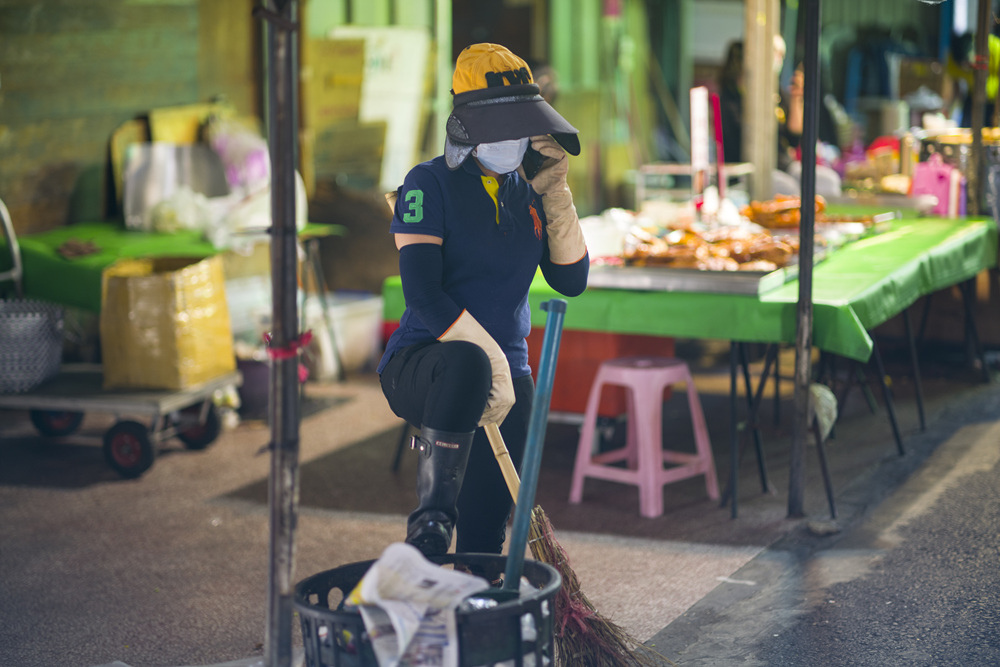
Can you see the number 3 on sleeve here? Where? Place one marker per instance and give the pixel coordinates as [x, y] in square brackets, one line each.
[415, 206]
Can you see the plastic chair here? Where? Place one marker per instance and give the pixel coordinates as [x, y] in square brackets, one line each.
[645, 379]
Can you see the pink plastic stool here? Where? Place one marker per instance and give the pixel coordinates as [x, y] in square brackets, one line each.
[645, 379]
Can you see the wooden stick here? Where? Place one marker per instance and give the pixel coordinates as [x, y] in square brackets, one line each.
[503, 458]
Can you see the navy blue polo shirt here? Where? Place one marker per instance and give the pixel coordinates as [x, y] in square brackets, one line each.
[491, 244]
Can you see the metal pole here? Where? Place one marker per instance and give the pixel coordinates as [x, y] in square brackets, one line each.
[981, 63]
[803, 337]
[282, 82]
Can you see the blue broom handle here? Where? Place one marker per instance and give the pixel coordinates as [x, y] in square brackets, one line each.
[533, 445]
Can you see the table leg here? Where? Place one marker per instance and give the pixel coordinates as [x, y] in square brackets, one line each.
[968, 290]
[734, 445]
[924, 316]
[887, 395]
[777, 387]
[856, 375]
[915, 364]
[753, 403]
[827, 375]
[737, 358]
[865, 389]
[824, 468]
[842, 396]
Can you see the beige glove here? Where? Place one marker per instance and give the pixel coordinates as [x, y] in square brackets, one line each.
[501, 398]
[390, 199]
[566, 242]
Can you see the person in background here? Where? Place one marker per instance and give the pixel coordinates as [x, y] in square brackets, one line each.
[789, 111]
[788, 108]
[791, 118]
[961, 58]
[730, 82]
[472, 227]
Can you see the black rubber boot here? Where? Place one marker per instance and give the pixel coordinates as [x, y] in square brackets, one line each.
[440, 471]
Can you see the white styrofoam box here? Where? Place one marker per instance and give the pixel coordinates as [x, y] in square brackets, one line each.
[356, 322]
[249, 301]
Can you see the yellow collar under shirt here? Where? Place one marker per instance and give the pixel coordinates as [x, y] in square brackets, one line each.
[492, 186]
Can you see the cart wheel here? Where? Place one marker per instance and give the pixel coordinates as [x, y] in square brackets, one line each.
[128, 449]
[56, 422]
[199, 435]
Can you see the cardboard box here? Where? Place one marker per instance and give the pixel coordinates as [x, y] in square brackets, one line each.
[165, 323]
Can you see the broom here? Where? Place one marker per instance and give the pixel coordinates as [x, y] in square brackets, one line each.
[583, 636]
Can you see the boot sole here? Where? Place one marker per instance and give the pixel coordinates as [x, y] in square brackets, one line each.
[430, 544]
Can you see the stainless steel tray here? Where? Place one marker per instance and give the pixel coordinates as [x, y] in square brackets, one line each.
[662, 279]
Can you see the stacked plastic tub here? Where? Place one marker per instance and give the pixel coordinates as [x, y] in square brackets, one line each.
[31, 332]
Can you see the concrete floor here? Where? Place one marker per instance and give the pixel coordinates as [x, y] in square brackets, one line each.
[171, 568]
[909, 580]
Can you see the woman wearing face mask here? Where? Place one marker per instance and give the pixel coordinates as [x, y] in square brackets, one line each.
[472, 229]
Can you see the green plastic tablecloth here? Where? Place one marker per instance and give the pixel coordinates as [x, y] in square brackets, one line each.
[856, 288]
[76, 282]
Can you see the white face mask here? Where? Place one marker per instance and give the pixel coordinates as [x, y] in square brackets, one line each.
[502, 157]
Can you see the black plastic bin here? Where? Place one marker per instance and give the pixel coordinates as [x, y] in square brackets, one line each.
[335, 637]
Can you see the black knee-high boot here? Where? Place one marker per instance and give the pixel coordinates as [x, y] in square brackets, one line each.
[440, 471]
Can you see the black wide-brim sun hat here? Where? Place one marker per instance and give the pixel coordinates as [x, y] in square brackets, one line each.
[502, 113]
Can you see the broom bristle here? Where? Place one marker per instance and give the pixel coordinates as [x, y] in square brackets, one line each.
[582, 635]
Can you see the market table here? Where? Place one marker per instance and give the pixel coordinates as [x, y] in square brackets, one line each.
[75, 280]
[855, 289]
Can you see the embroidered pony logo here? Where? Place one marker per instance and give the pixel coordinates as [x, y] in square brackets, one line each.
[538, 221]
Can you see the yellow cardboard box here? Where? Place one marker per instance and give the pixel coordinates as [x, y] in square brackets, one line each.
[165, 323]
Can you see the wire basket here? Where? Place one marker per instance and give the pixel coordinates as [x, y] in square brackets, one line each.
[334, 636]
[31, 340]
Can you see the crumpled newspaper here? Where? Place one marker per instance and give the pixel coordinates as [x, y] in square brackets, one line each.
[408, 607]
[823, 404]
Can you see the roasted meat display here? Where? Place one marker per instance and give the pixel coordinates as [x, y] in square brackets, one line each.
[782, 212]
[785, 212]
[765, 239]
[722, 249]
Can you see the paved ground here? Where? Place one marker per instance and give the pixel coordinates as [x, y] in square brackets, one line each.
[171, 569]
[912, 580]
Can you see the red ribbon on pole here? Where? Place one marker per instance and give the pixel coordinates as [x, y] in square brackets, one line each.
[292, 350]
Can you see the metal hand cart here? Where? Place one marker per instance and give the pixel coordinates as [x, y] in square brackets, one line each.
[57, 404]
[57, 408]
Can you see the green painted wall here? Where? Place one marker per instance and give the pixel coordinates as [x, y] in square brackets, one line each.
[72, 72]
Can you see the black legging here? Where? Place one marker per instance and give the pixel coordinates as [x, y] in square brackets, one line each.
[445, 386]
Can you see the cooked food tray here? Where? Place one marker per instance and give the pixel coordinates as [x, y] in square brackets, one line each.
[663, 279]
